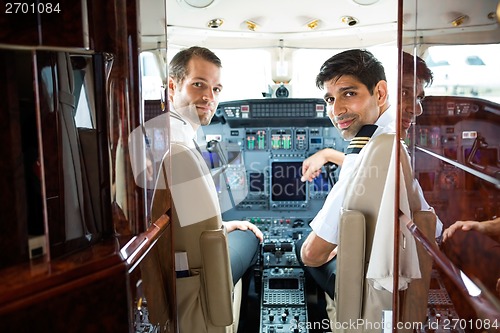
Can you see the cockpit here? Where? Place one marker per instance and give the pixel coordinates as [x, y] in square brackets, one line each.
[110, 223]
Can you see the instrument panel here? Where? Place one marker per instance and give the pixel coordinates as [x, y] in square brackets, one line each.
[261, 147]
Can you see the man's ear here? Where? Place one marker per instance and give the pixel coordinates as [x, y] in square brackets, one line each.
[382, 93]
[171, 87]
[171, 83]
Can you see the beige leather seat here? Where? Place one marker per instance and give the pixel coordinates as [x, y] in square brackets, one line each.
[357, 300]
[205, 297]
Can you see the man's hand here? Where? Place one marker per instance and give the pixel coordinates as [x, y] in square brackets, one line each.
[243, 225]
[460, 225]
[489, 228]
[311, 167]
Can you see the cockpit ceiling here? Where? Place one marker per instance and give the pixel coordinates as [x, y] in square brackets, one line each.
[316, 23]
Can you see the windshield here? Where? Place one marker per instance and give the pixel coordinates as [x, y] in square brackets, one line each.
[247, 74]
[465, 70]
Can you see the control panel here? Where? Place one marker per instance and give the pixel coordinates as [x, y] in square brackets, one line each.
[261, 145]
[280, 234]
[283, 307]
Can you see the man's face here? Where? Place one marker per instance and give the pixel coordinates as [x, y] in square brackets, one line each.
[350, 105]
[197, 96]
[411, 102]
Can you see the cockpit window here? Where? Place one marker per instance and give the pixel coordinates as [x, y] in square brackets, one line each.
[474, 61]
[249, 73]
[465, 70]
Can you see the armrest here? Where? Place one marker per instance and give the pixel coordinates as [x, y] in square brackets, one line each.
[217, 276]
[350, 275]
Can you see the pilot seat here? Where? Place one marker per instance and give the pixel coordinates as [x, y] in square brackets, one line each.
[207, 302]
[363, 286]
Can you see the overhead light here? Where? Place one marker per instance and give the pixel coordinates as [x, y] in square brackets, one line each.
[365, 2]
[349, 20]
[456, 19]
[459, 20]
[313, 24]
[308, 22]
[251, 25]
[197, 4]
[215, 23]
[498, 12]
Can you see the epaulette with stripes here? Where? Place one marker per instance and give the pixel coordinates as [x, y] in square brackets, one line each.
[361, 139]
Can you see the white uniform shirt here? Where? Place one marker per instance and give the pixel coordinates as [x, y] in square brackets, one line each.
[181, 130]
[326, 222]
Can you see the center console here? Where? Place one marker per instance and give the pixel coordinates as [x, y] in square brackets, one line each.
[283, 302]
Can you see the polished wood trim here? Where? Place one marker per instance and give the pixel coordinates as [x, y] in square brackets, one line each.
[484, 304]
[40, 275]
[139, 245]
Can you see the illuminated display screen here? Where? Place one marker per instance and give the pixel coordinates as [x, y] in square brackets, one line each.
[256, 181]
[321, 183]
[283, 284]
[285, 181]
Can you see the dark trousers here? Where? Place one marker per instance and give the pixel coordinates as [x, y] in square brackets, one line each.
[243, 252]
[324, 275]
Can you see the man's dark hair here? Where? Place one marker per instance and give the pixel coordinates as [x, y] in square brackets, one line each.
[361, 64]
[423, 72]
[178, 65]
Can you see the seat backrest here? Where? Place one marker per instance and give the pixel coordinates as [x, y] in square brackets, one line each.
[356, 296]
[204, 298]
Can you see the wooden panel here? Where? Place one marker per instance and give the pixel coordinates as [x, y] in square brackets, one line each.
[70, 14]
[35, 23]
[23, 281]
[88, 291]
[18, 27]
[84, 292]
[93, 288]
[13, 199]
[100, 25]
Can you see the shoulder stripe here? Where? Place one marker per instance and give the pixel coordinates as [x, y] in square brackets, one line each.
[361, 139]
